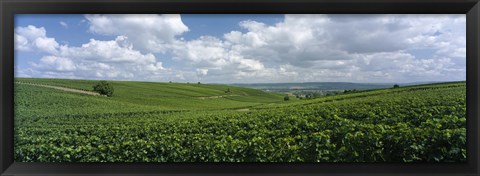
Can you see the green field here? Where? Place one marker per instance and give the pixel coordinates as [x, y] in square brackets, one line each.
[178, 122]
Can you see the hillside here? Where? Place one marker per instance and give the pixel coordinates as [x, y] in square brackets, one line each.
[152, 95]
[321, 86]
[173, 122]
[378, 93]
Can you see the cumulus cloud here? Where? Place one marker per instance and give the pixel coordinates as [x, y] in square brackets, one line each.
[113, 51]
[97, 59]
[204, 52]
[147, 32]
[54, 63]
[301, 48]
[364, 48]
[31, 38]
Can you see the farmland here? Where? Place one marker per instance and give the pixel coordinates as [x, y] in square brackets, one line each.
[179, 122]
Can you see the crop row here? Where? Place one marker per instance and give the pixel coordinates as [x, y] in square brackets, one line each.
[405, 126]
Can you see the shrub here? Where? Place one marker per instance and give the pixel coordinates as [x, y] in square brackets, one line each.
[103, 88]
[286, 98]
[396, 86]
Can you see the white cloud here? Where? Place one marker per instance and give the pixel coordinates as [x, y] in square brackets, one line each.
[21, 43]
[97, 59]
[213, 56]
[357, 48]
[54, 63]
[147, 32]
[352, 48]
[330, 48]
[31, 38]
[202, 71]
[48, 45]
[31, 32]
[113, 51]
[64, 24]
[203, 52]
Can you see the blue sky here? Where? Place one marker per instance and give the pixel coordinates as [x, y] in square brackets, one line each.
[242, 48]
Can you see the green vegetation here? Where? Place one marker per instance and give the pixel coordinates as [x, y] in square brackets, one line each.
[351, 91]
[175, 122]
[325, 86]
[103, 88]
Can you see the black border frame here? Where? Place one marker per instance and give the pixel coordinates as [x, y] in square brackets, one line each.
[8, 8]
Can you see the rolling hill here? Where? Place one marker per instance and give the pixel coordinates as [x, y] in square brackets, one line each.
[151, 95]
[175, 122]
[323, 86]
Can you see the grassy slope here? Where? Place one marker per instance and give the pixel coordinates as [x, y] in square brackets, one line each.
[276, 131]
[141, 96]
[151, 96]
[369, 93]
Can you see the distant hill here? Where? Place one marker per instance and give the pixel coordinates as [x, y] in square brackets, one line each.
[151, 95]
[323, 85]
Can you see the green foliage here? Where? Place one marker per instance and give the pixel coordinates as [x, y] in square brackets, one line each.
[311, 94]
[103, 88]
[396, 86]
[350, 91]
[286, 98]
[407, 124]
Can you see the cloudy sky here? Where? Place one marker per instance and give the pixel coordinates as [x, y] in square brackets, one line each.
[242, 48]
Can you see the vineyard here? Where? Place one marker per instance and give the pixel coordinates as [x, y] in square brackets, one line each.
[178, 122]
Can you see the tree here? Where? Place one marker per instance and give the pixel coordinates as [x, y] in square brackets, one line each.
[286, 98]
[396, 86]
[198, 83]
[103, 88]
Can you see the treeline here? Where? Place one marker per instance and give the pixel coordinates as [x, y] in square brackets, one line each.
[305, 94]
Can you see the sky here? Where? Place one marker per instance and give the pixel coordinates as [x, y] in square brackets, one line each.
[242, 48]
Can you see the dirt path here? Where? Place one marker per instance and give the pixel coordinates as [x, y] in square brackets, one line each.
[245, 109]
[62, 88]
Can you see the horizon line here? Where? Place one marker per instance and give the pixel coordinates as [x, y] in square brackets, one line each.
[250, 83]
